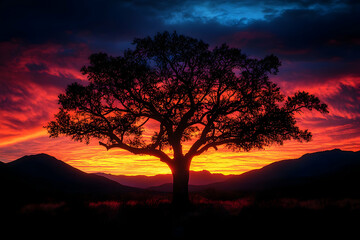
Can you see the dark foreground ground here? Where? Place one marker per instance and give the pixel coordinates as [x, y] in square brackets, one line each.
[152, 217]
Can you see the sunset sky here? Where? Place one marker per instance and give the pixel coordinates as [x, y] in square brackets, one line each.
[43, 45]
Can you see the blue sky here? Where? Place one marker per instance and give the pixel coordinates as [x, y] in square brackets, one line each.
[241, 12]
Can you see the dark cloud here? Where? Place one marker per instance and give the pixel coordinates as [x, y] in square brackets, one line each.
[72, 21]
[36, 67]
[308, 34]
[315, 72]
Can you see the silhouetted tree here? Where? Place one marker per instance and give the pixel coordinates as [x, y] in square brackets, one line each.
[206, 97]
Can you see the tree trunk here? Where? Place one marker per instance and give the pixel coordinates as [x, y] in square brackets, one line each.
[180, 174]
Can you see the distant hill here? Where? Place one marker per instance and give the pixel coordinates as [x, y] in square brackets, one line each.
[327, 172]
[44, 175]
[140, 181]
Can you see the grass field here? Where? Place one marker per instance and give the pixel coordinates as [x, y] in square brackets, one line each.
[153, 216]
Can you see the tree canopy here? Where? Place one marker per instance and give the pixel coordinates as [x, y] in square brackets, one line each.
[186, 92]
[209, 97]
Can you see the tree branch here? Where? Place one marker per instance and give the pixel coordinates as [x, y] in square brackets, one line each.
[139, 151]
[213, 145]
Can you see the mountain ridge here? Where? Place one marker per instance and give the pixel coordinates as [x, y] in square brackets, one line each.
[196, 178]
[33, 176]
[311, 168]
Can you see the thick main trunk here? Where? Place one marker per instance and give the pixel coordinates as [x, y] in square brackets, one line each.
[180, 174]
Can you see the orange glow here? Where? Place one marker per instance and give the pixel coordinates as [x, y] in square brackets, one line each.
[95, 158]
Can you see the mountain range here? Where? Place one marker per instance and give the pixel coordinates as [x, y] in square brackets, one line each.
[333, 172]
[320, 172]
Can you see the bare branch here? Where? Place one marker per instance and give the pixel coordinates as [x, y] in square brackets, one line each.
[140, 151]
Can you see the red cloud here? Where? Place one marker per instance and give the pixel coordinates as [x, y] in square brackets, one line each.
[31, 78]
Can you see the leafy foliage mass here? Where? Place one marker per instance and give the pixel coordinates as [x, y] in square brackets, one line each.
[189, 92]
